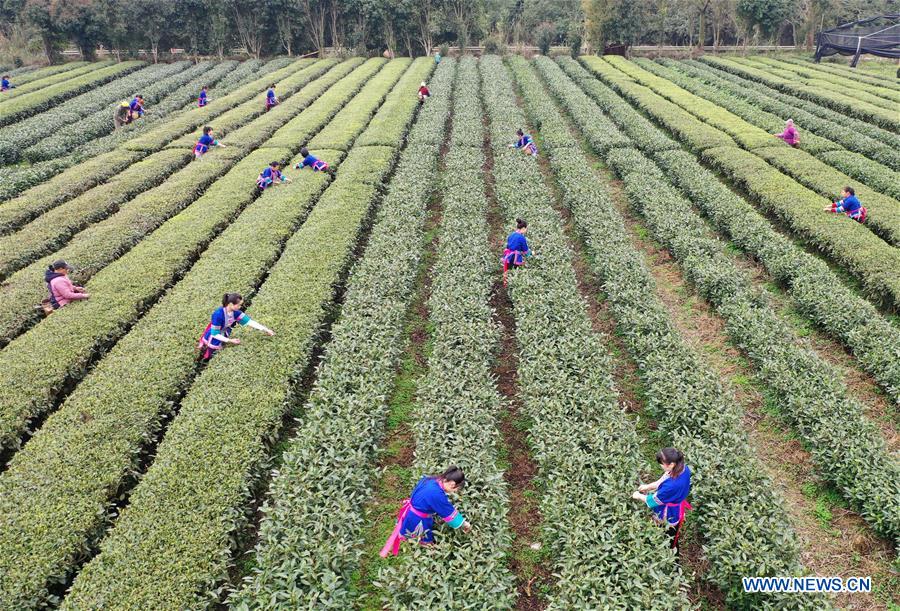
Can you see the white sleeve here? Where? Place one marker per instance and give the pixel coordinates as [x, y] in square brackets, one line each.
[255, 325]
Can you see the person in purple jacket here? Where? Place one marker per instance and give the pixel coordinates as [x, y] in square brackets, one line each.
[202, 100]
[428, 499]
[849, 205]
[4, 83]
[790, 134]
[669, 499]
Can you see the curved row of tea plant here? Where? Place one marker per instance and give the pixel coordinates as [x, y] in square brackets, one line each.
[44, 78]
[100, 123]
[848, 74]
[35, 376]
[102, 242]
[869, 258]
[15, 179]
[457, 402]
[771, 101]
[817, 291]
[883, 218]
[884, 212]
[52, 230]
[747, 135]
[27, 74]
[840, 238]
[876, 94]
[23, 133]
[606, 550]
[630, 121]
[821, 295]
[736, 506]
[38, 101]
[864, 111]
[750, 81]
[174, 321]
[847, 449]
[686, 127]
[158, 556]
[303, 542]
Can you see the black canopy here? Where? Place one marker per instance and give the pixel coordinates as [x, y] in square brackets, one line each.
[877, 35]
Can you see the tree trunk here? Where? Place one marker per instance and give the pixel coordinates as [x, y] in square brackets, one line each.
[154, 50]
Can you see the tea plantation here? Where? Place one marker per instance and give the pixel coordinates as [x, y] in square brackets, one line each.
[686, 287]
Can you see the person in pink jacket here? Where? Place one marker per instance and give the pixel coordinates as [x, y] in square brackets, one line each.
[62, 291]
[790, 134]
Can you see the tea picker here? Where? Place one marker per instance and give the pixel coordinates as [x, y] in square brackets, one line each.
[271, 100]
[310, 161]
[61, 289]
[790, 134]
[222, 321]
[415, 520]
[202, 100]
[668, 500]
[424, 94]
[205, 141]
[270, 176]
[525, 143]
[849, 205]
[516, 248]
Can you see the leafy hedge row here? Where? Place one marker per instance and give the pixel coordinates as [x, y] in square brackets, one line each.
[93, 441]
[457, 403]
[743, 522]
[58, 189]
[845, 72]
[631, 122]
[873, 261]
[607, 551]
[745, 76]
[237, 132]
[745, 134]
[100, 123]
[234, 102]
[172, 327]
[392, 119]
[157, 555]
[772, 101]
[844, 240]
[857, 108]
[751, 113]
[847, 449]
[875, 94]
[303, 543]
[14, 180]
[884, 212]
[818, 292]
[42, 99]
[354, 117]
[860, 167]
[27, 74]
[142, 214]
[15, 138]
[41, 79]
[53, 229]
[686, 126]
[35, 381]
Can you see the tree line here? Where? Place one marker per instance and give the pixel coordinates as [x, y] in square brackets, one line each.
[407, 27]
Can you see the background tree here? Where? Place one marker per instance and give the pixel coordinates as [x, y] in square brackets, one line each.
[38, 14]
[315, 17]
